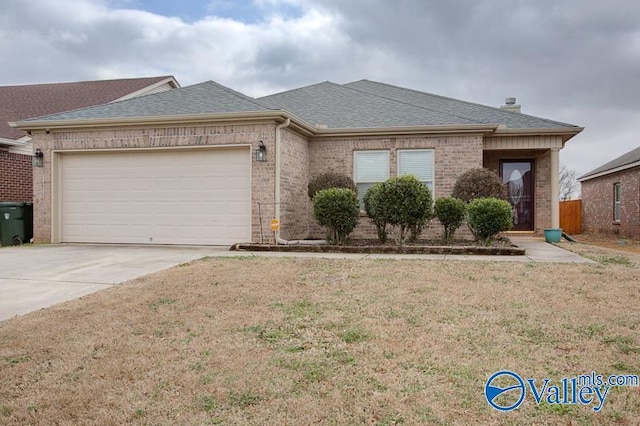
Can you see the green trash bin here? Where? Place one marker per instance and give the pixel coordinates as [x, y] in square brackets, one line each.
[12, 225]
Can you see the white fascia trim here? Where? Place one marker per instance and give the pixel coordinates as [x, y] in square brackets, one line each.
[566, 133]
[13, 142]
[172, 81]
[155, 120]
[406, 130]
[608, 172]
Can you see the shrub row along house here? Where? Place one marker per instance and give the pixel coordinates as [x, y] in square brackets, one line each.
[24, 101]
[205, 164]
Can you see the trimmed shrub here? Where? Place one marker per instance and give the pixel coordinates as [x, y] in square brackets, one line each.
[451, 213]
[406, 203]
[479, 183]
[329, 180]
[487, 217]
[373, 206]
[337, 209]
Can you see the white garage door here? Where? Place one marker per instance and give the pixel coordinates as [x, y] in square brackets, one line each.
[191, 196]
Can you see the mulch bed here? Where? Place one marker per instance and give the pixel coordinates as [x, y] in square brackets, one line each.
[501, 247]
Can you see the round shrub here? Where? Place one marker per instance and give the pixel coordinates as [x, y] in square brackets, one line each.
[329, 180]
[373, 207]
[406, 203]
[487, 217]
[479, 183]
[337, 209]
[451, 213]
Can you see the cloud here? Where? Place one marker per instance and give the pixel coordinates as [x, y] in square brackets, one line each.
[575, 61]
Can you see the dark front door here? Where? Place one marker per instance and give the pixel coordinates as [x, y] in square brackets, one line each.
[518, 176]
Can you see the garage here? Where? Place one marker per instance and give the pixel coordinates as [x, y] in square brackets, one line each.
[176, 196]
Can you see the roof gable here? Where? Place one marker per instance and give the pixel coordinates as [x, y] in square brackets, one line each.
[22, 102]
[625, 161]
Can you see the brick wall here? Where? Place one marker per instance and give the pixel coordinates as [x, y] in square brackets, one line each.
[16, 177]
[301, 161]
[294, 181]
[262, 174]
[542, 174]
[453, 155]
[598, 208]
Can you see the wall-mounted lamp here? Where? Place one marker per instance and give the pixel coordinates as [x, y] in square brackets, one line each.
[261, 152]
[38, 158]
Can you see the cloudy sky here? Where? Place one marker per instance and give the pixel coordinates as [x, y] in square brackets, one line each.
[576, 61]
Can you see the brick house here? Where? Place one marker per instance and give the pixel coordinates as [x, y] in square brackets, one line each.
[611, 197]
[183, 167]
[20, 102]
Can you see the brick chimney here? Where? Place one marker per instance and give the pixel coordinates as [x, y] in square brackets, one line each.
[510, 105]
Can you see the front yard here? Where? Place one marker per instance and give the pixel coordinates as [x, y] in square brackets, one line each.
[312, 341]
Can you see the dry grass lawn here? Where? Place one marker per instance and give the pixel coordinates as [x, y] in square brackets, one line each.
[277, 341]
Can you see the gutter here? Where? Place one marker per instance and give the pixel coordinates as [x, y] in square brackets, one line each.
[295, 122]
[566, 133]
[486, 129]
[154, 120]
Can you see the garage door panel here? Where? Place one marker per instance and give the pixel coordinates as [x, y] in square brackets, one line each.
[156, 197]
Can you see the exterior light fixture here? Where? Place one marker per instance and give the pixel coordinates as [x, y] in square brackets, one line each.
[38, 158]
[261, 152]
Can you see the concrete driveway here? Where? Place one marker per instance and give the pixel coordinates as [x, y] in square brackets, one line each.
[35, 277]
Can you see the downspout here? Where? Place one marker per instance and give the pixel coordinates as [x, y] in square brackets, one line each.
[278, 165]
[277, 190]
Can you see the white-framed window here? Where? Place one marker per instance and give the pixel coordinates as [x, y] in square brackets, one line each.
[420, 163]
[369, 168]
[617, 201]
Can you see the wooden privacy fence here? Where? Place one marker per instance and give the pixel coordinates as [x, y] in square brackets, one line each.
[571, 216]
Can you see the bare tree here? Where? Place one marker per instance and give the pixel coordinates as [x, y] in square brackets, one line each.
[568, 183]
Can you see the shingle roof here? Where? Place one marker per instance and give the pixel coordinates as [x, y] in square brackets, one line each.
[358, 105]
[203, 98]
[627, 159]
[341, 107]
[463, 110]
[21, 102]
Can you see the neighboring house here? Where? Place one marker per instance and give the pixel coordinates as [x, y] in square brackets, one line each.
[20, 102]
[611, 197]
[181, 167]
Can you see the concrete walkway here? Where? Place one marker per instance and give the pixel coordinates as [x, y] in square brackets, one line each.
[537, 250]
[35, 277]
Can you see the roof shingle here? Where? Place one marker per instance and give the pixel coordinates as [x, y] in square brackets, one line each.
[203, 98]
[359, 105]
[342, 107]
[35, 100]
[456, 108]
[627, 159]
